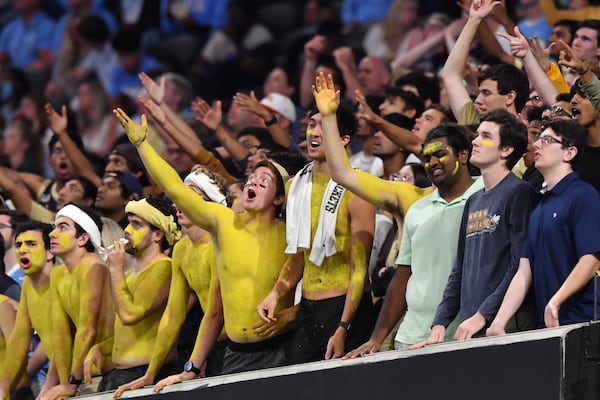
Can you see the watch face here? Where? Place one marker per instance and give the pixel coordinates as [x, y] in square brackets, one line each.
[187, 367]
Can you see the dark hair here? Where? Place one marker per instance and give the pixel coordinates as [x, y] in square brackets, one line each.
[89, 189]
[127, 40]
[374, 101]
[292, 161]
[508, 77]
[448, 116]
[347, 122]
[280, 185]
[513, 133]
[418, 170]
[571, 134]
[427, 86]
[24, 126]
[39, 226]
[17, 217]
[456, 136]
[93, 214]
[591, 24]
[569, 23]
[261, 134]
[535, 113]
[411, 100]
[93, 28]
[166, 208]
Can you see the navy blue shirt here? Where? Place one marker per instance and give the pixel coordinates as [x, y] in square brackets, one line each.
[563, 227]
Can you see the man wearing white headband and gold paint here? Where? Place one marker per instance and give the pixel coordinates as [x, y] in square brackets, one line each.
[140, 296]
[81, 297]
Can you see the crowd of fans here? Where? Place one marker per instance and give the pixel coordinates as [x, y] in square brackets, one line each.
[199, 187]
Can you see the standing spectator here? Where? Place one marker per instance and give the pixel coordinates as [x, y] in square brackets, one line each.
[560, 254]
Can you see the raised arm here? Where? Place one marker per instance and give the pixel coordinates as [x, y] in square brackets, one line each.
[193, 147]
[452, 73]
[312, 50]
[202, 213]
[344, 59]
[58, 124]
[18, 340]
[394, 197]
[12, 184]
[519, 46]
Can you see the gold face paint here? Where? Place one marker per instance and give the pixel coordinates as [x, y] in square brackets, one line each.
[137, 235]
[65, 240]
[31, 245]
[456, 166]
[431, 148]
[487, 143]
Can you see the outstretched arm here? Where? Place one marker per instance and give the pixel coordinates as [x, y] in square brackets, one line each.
[394, 197]
[202, 213]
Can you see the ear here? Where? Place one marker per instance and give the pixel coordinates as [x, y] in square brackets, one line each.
[83, 239]
[279, 200]
[463, 157]
[506, 151]
[570, 154]
[345, 140]
[49, 256]
[157, 235]
[510, 97]
[89, 202]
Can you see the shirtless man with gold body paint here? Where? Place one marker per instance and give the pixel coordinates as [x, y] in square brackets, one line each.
[81, 296]
[32, 246]
[250, 254]
[139, 296]
[193, 265]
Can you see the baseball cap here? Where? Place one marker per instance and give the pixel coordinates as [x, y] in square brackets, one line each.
[131, 185]
[280, 104]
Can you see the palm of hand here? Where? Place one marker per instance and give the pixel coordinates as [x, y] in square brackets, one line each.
[327, 101]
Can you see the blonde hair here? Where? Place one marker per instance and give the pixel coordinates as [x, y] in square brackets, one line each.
[216, 178]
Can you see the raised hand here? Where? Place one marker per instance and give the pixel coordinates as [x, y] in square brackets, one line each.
[57, 122]
[209, 116]
[251, 104]
[519, 46]
[156, 92]
[137, 133]
[482, 8]
[154, 109]
[364, 111]
[326, 97]
[569, 59]
[314, 47]
[541, 54]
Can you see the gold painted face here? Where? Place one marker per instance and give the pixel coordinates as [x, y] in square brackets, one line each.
[30, 251]
[440, 161]
[62, 237]
[136, 232]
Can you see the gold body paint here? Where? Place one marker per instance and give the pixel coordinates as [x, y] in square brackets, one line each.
[37, 253]
[487, 143]
[137, 235]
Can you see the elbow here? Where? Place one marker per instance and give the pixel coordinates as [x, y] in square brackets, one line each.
[128, 319]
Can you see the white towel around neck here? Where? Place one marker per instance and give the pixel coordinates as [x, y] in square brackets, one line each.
[298, 224]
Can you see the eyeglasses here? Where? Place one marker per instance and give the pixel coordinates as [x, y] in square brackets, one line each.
[547, 140]
[555, 112]
[396, 177]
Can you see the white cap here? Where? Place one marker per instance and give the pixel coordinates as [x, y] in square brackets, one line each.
[280, 104]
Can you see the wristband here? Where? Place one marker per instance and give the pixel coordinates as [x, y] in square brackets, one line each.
[272, 121]
[74, 381]
[344, 325]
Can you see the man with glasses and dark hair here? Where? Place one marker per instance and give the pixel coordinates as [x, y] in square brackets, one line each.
[560, 254]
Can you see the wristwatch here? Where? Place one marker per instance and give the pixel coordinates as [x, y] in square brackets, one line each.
[272, 121]
[345, 325]
[74, 381]
[189, 367]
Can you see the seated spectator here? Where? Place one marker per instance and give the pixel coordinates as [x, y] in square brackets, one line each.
[22, 147]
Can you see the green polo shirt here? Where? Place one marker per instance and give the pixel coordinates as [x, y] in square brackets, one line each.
[429, 243]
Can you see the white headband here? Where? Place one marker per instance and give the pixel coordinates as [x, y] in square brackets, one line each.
[84, 221]
[208, 186]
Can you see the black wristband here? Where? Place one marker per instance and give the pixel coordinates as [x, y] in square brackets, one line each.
[344, 325]
[272, 121]
[74, 381]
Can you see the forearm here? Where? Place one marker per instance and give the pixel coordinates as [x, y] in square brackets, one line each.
[280, 136]
[37, 360]
[491, 44]
[16, 189]
[18, 343]
[189, 144]
[351, 80]
[306, 81]
[80, 162]
[210, 329]
[584, 270]
[457, 58]
[515, 294]
[394, 304]
[233, 147]
[539, 79]
[414, 54]
[401, 137]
